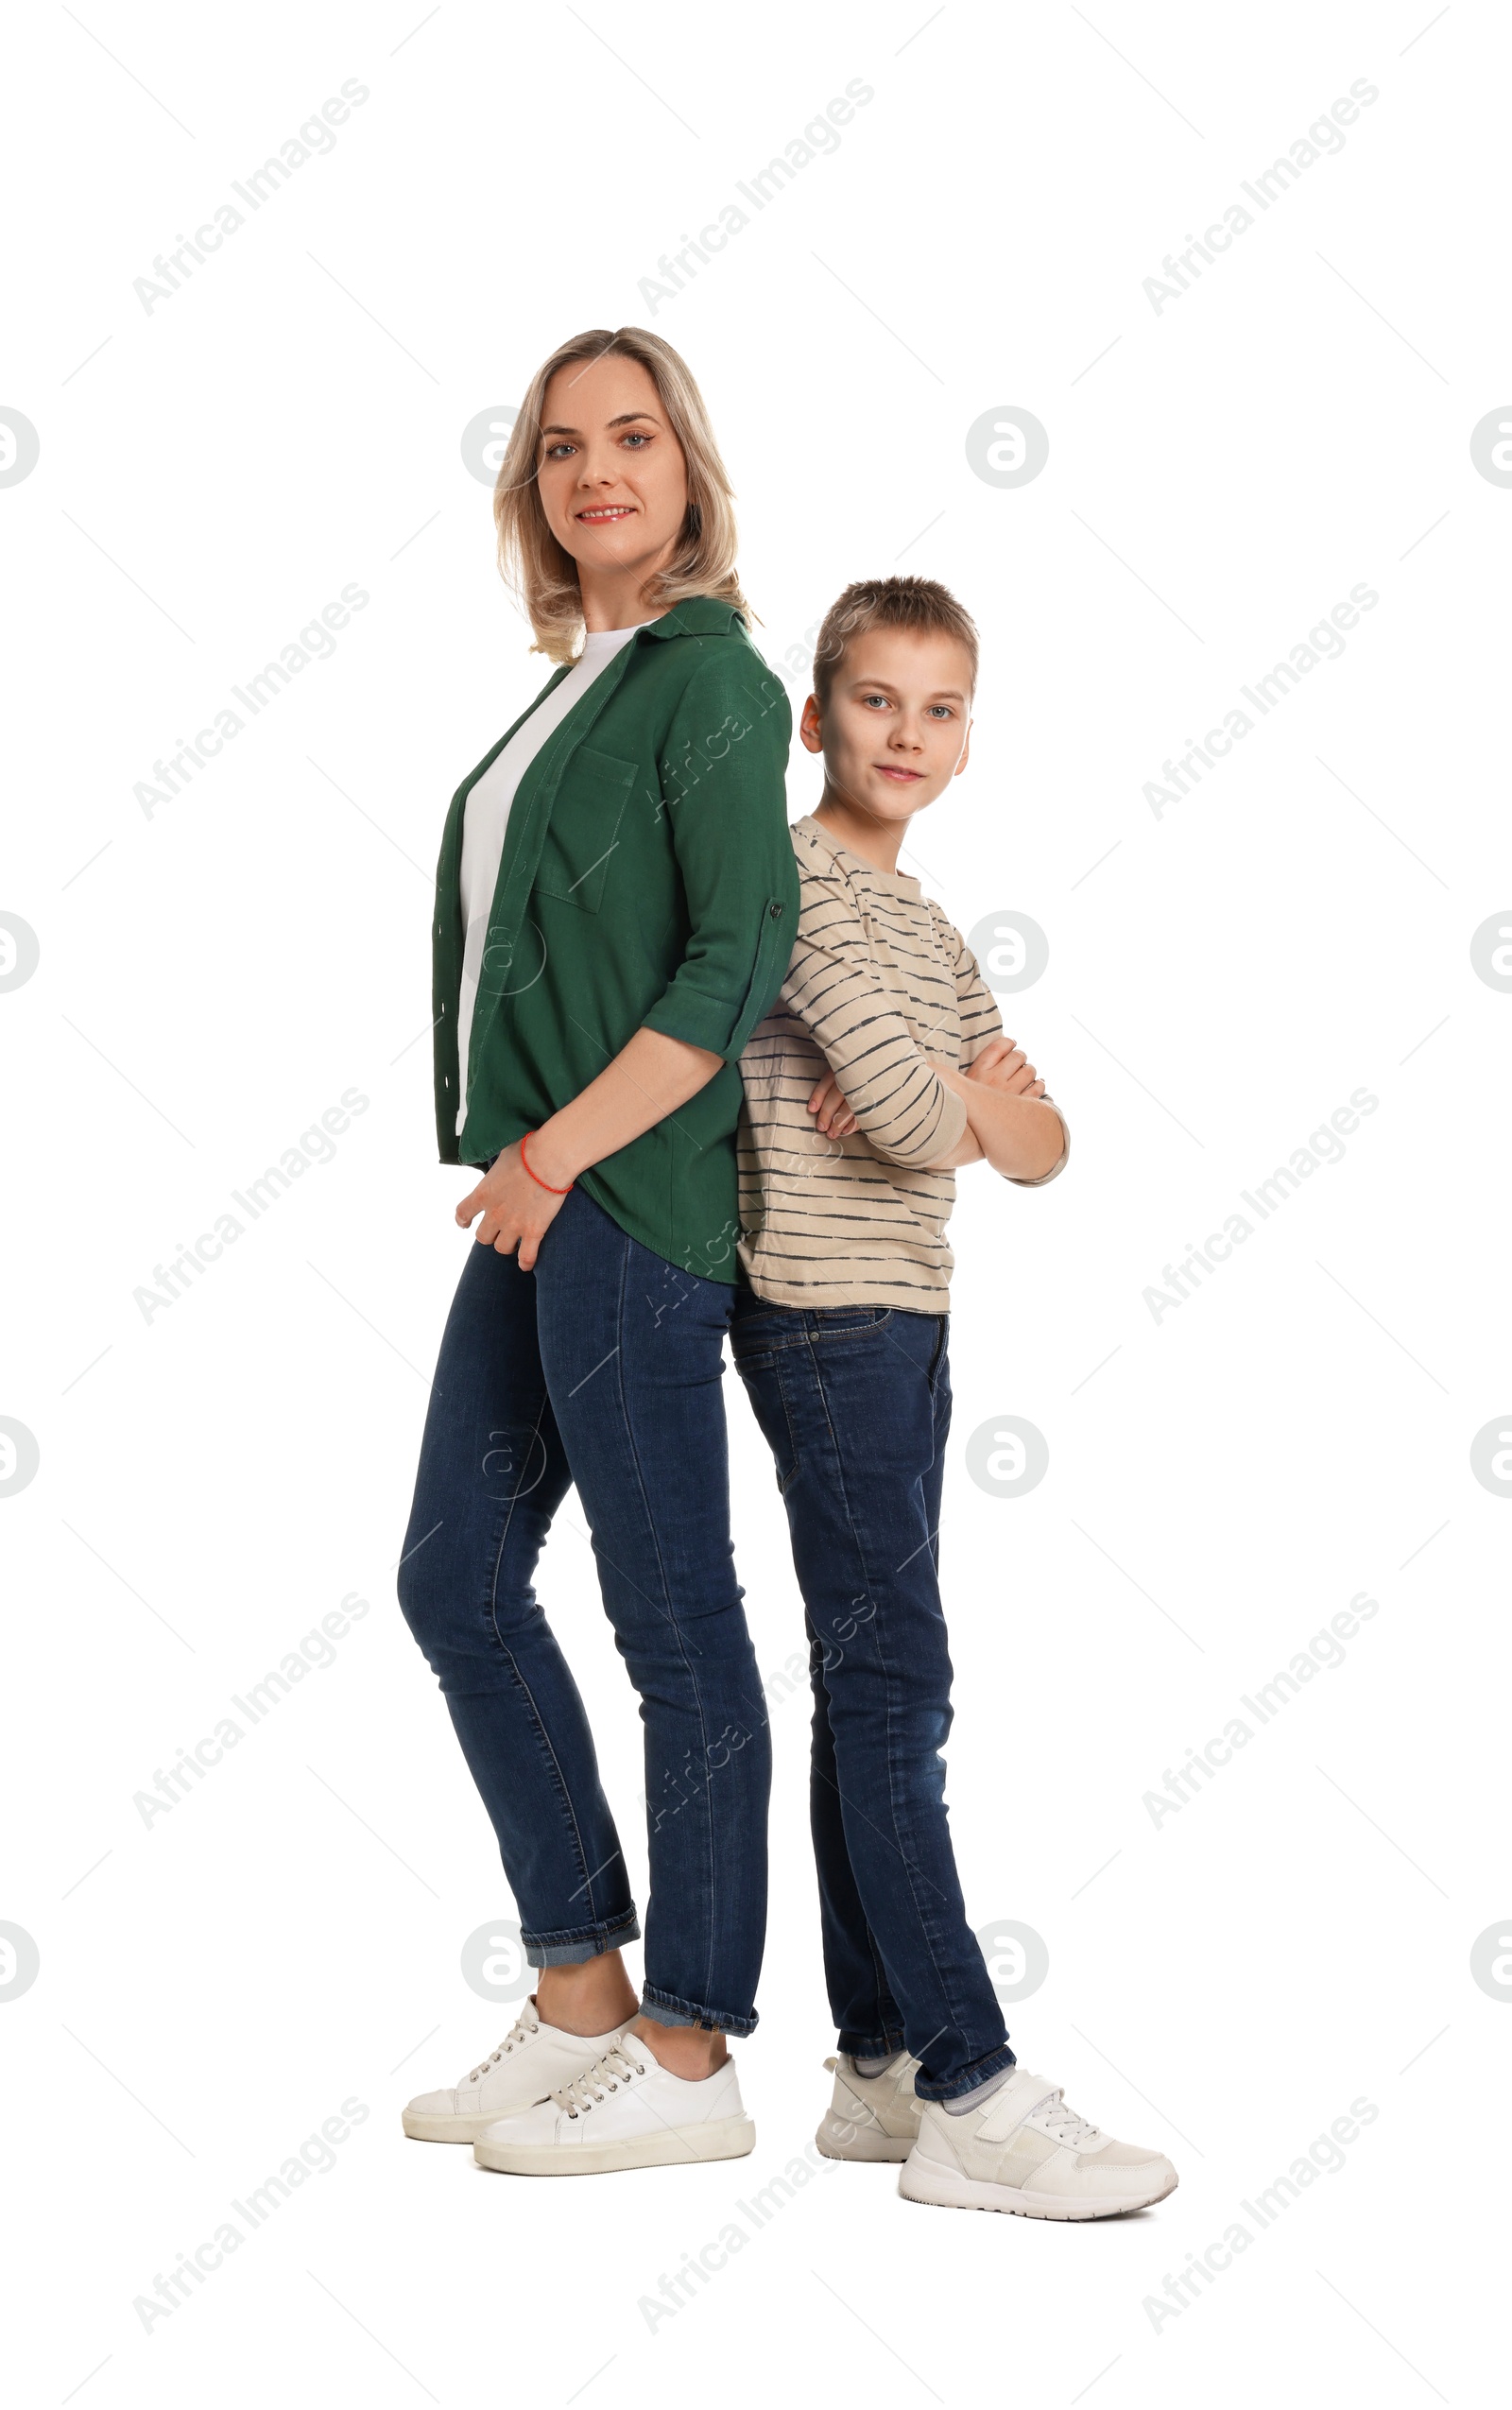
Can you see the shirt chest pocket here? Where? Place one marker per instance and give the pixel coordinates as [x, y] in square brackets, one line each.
[584, 831]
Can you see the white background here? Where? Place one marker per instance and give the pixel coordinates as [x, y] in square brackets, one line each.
[1222, 1481]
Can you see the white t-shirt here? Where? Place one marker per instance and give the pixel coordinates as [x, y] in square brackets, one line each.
[485, 817]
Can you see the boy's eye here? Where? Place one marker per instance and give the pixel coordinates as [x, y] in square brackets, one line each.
[940, 711]
[868, 701]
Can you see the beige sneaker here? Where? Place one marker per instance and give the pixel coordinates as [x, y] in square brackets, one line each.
[871, 2117]
[625, 2111]
[1028, 2153]
[530, 2062]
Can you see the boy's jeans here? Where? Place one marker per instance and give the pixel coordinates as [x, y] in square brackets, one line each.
[602, 1366]
[855, 1406]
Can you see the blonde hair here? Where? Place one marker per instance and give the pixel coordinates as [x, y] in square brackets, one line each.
[537, 569]
[919, 604]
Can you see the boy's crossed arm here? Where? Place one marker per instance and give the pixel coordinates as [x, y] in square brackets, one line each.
[1006, 1123]
[879, 1077]
[1009, 1123]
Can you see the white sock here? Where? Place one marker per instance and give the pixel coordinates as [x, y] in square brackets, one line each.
[974, 2099]
[873, 2066]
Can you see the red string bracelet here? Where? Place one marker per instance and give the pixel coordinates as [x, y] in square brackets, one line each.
[536, 1176]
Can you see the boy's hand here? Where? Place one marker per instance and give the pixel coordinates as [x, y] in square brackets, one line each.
[1002, 1064]
[832, 1114]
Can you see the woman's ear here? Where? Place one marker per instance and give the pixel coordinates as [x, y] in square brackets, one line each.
[809, 726]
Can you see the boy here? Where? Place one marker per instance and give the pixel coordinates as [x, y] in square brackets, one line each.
[881, 1068]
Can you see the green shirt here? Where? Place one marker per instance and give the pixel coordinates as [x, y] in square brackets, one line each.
[648, 881]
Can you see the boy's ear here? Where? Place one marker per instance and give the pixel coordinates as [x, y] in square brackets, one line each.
[965, 753]
[809, 727]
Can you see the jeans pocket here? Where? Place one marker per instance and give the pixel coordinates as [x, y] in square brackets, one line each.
[758, 1331]
[857, 1330]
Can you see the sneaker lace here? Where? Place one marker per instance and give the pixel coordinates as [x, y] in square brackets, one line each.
[520, 2031]
[605, 2075]
[1065, 2124]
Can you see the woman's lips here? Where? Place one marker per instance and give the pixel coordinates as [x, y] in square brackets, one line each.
[601, 513]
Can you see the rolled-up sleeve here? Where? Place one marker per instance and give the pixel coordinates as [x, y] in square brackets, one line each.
[722, 771]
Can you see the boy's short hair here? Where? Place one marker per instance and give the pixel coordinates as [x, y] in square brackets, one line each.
[919, 604]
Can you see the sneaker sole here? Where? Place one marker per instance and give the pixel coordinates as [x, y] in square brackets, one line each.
[946, 2188]
[422, 2128]
[672, 2146]
[839, 2139]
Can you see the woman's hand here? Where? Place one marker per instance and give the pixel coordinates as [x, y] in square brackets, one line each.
[648, 1079]
[517, 1212]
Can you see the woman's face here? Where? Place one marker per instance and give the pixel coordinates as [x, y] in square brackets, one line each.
[613, 481]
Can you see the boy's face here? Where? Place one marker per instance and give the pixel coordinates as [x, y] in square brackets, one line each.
[895, 729]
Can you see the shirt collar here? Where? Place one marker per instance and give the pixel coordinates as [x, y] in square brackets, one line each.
[699, 615]
[851, 865]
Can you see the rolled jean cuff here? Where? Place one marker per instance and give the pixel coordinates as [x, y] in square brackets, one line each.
[575, 1949]
[982, 2071]
[856, 2045]
[667, 2009]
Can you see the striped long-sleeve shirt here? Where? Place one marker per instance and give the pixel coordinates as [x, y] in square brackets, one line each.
[879, 981]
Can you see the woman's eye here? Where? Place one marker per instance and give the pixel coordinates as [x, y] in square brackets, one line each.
[638, 438]
[558, 451]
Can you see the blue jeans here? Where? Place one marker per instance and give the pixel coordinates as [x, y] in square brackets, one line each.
[601, 1368]
[855, 1406]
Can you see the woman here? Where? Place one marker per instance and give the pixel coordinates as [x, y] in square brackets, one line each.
[615, 904]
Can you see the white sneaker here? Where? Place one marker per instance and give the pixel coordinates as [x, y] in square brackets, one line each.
[625, 2111]
[1026, 2152]
[528, 2063]
[871, 2117]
